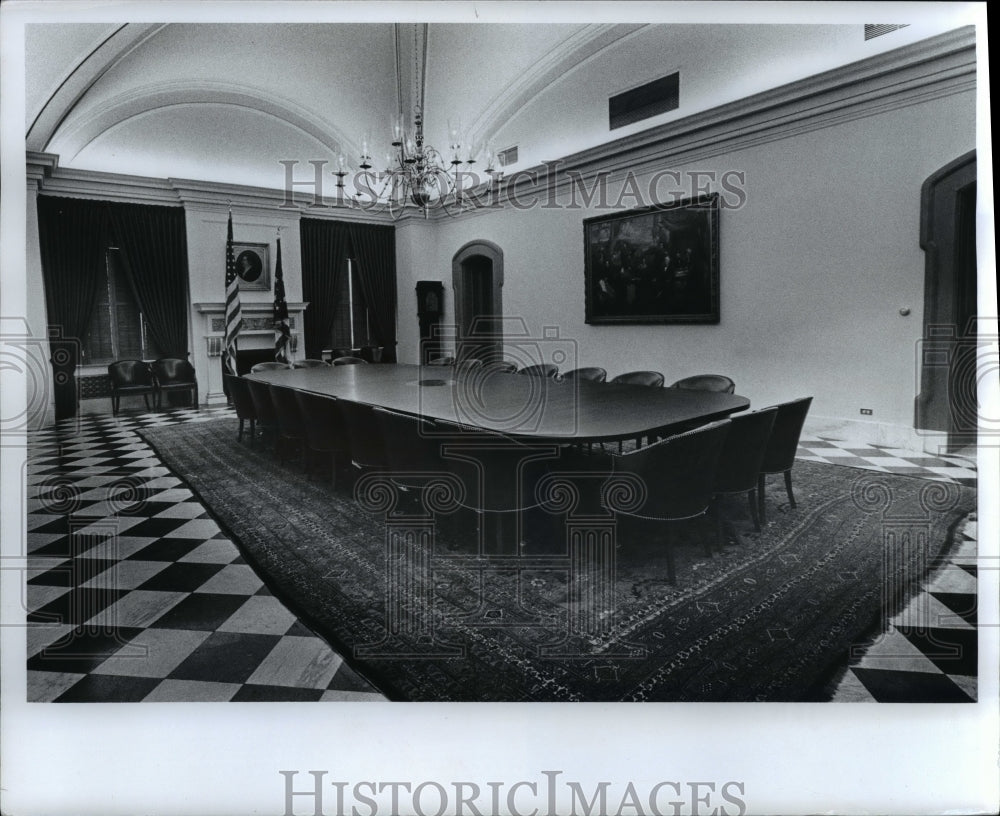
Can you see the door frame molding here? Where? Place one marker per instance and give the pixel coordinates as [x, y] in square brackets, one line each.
[494, 254]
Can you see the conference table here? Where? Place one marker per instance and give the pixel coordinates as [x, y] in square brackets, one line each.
[533, 409]
[540, 417]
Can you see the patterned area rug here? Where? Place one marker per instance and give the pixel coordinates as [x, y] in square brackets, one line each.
[585, 612]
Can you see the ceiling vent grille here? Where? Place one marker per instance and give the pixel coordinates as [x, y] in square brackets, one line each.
[873, 30]
[507, 157]
[653, 98]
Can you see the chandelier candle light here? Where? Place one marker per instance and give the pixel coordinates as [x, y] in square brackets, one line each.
[415, 172]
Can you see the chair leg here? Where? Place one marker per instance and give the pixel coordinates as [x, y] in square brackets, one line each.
[145, 399]
[239, 436]
[114, 405]
[754, 514]
[788, 488]
[671, 566]
[760, 499]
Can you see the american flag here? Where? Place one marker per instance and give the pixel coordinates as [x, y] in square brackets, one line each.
[282, 332]
[234, 314]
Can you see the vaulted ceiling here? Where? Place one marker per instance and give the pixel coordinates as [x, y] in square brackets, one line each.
[228, 102]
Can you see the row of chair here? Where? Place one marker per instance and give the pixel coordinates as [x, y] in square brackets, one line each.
[337, 361]
[700, 382]
[133, 378]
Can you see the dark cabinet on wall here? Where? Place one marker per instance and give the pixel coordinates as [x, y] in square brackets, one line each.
[430, 310]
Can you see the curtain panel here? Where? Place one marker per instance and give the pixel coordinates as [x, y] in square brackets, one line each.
[154, 240]
[73, 240]
[325, 247]
[373, 247]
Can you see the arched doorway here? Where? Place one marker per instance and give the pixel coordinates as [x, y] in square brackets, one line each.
[477, 280]
[947, 399]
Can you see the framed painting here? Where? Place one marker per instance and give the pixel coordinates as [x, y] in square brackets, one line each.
[657, 264]
[253, 266]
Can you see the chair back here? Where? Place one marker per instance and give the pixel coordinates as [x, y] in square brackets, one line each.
[470, 364]
[654, 379]
[364, 435]
[311, 364]
[677, 474]
[170, 370]
[540, 370]
[779, 455]
[324, 424]
[130, 374]
[269, 366]
[500, 366]
[743, 452]
[717, 383]
[286, 409]
[260, 393]
[341, 361]
[447, 360]
[239, 390]
[591, 373]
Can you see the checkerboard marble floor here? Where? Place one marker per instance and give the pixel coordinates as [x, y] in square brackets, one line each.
[134, 594]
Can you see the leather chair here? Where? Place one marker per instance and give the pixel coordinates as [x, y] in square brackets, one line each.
[678, 475]
[131, 378]
[174, 375]
[291, 428]
[716, 383]
[311, 364]
[550, 370]
[779, 456]
[446, 360]
[239, 392]
[267, 417]
[589, 373]
[739, 464]
[364, 435]
[342, 361]
[269, 366]
[325, 430]
[471, 364]
[653, 379]
[500, 367]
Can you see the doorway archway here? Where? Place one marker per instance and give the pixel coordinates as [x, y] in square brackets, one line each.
[947, 399]
[477, 280]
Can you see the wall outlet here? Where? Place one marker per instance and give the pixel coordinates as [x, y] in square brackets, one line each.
[866, 411]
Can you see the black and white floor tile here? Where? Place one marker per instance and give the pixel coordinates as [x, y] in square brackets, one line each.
[134, 594]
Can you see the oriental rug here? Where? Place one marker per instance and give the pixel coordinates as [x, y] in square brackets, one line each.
[583, 611]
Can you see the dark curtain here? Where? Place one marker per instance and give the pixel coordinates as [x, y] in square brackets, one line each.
[72, 236]
[324, 259]
[154, 240]
[374, 249]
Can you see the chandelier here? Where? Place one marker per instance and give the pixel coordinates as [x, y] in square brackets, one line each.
[415, 173]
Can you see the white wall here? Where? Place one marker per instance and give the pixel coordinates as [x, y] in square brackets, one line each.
[814, 269]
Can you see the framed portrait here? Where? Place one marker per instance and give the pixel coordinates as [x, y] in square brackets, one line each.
[657, 264]
[253, 266]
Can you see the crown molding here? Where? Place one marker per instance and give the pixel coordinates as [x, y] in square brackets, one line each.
[939, 66]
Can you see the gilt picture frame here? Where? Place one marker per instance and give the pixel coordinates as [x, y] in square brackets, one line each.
[657, 264]
[253, 266]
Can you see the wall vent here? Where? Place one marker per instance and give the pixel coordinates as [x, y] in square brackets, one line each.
[873, 30]
[505, 158]
[653, 98]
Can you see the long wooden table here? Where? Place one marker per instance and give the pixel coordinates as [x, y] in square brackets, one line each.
[530, 408]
